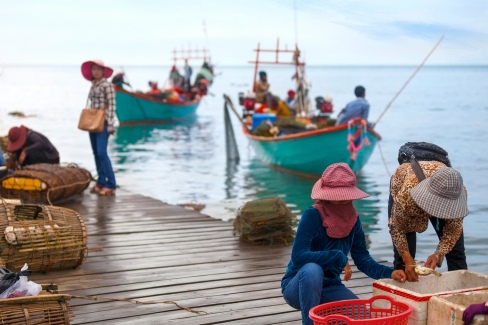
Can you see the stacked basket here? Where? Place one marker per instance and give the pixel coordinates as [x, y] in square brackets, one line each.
[44, 237]
[265, 221]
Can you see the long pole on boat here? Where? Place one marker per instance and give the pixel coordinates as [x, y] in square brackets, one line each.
[231, 105]
[408, 80]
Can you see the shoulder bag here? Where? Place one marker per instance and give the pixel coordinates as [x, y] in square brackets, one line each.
[92, 119]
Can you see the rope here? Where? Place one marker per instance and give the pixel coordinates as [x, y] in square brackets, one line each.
[383, 159]
[138, 302]
[408, 80]
[63, 186]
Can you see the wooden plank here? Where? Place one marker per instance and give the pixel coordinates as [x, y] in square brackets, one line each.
[153, 251]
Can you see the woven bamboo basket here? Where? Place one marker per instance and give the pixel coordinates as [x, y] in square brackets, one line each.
[45, 183]
[48, 308]
[265, 221]
[44, 237]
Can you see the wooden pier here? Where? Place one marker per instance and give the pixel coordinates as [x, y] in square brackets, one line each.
[146, 250]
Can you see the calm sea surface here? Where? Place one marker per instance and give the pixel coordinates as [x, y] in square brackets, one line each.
[186, 162]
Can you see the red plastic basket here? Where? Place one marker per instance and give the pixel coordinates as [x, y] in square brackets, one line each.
[361, 311]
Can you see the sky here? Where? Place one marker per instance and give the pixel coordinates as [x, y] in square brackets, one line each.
[328, 32]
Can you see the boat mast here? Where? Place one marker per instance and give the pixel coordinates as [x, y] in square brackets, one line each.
[299, 71]
[256, 69]
[190, 54]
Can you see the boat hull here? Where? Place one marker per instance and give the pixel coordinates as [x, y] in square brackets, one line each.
[132, 108]
[312, 151]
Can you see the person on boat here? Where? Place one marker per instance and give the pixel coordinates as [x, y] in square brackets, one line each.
[119, 81]
[154, 90]
[202, 87]
[206, 72]
[291, 101]
[356, 108]
[176, 79]
[188, 72]
[327, 232]
[441, 198]
[101, 96]
[263, 95]
[31, 147]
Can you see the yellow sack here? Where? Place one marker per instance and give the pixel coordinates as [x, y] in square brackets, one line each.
[22, 183]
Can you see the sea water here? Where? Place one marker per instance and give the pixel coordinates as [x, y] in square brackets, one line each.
[186, 162]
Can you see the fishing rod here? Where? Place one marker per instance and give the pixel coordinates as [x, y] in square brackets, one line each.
[408, 80]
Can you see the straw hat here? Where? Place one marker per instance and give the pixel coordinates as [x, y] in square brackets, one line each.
[442, 195]
[338, 183]
[86, 69]
[17, 136]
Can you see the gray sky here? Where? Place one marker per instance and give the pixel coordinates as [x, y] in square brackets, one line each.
[329, 32]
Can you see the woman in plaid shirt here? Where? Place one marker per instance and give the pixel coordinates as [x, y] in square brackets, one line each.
[101, 96]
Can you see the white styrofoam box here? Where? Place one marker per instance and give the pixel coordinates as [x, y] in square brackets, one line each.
[449, 309]
[417, 294]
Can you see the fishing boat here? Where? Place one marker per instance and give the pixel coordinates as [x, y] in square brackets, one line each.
[312, 148]
[138, 108]
[170, 104]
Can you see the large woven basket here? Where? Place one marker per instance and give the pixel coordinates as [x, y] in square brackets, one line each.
[45, 183]
[44, 237]
[46, 308]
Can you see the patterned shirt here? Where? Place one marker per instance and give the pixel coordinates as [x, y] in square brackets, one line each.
[407, 216]
[102, 95]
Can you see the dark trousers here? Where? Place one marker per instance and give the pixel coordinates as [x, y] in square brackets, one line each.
[456, 258]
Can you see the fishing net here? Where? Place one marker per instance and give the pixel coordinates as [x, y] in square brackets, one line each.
[265, 221]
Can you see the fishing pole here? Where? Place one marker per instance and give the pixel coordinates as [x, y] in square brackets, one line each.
[408, 80]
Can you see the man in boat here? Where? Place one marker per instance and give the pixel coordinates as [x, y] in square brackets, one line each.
[154, 89]
[263, 95]
[176, 78]
[441, 198]
[206, 72]
[188, 71]
[291, 101]
[31, 147]
[356, 108]
[119, 81]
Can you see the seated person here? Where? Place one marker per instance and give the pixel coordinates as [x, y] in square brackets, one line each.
[324, 106]
[154, 88]
[327, 233]
[119, 81]
[356, 108]
[31, 147]
[263, 95]
[291, 101]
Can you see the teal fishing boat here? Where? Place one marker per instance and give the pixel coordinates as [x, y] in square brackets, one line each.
[177, 101]
[312, 151]
[137, 108]
[299, 140]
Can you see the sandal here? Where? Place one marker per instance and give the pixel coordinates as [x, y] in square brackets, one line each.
[106, 192]
[96, 189]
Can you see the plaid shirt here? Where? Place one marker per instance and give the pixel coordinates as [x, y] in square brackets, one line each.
[407, 216]
[101, 95]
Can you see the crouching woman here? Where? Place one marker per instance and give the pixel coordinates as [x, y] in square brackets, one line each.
[327, 232]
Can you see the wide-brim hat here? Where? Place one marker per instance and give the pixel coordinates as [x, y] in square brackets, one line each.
[442, 195]
[337, 183]
[17, 136]
[86, 69]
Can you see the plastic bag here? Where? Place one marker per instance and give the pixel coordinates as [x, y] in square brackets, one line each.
[19, 285]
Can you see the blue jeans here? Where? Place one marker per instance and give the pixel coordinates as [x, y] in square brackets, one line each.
[99, 144]
[305, 291]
